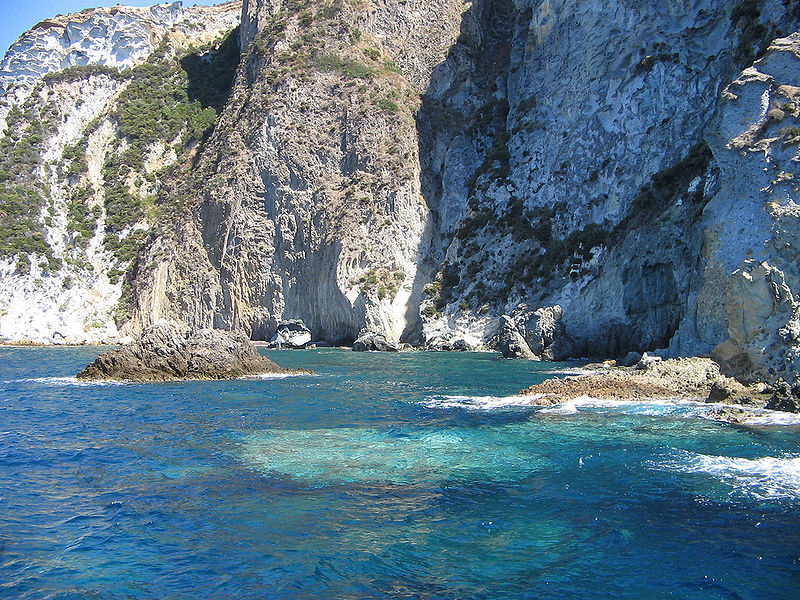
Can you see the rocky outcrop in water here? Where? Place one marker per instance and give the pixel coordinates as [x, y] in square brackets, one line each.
[510, 342]
[785, 397]
[168, 351]
[690, 378]
[371, 341]
[697, 379]
[291, 333]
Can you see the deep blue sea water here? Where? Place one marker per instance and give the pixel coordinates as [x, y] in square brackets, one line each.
[382, 476]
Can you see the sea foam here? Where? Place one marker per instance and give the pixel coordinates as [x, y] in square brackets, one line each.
[480, 402]
[265, 376]
[63, 381]
[677, 408]
[766, 478]
[653, 408]
[571, 371]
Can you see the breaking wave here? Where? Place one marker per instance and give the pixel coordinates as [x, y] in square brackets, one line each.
[653, 408]
[767, 478]
[479, 402]
[265, 376]
[66, 381]
[677, 408]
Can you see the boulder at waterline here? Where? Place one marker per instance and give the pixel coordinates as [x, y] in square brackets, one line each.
[371, 340]
[451, 344]
[510, 341]
[169, 351]
[544, 332]
[291, 333]
[785, 397]
[631, 359]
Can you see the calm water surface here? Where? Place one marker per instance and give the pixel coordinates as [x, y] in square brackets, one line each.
[383, 476]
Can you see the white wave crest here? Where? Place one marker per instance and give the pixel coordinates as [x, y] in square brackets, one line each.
[272, 376]
[571, 407]
[74, 381]
[654, 408]
[774, 417]
[679, 408]
[675, 407]
[57, 381]
[767, 478]
[571, 371]
[480, 402]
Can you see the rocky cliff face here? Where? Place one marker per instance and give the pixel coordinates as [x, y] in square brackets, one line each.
[580, 177]
[120, 37]
[91, 129]
[751, 224]
[311, 203]
[614, 175]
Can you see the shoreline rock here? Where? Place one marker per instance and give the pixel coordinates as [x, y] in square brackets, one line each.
[697, 379]
[292, 334]
[510, 341]
[169, 351]
[371, 341]
[736, 415]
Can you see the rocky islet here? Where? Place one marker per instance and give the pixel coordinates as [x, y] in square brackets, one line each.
[169, 351]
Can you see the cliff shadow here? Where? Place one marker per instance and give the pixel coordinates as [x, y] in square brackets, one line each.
[461, 131]
[211, 72]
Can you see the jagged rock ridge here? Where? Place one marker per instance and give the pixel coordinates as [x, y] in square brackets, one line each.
[168, 351]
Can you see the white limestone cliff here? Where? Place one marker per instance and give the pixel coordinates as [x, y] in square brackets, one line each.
[119, 37]
[77, 302]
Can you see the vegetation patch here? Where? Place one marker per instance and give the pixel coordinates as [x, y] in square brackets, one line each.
[210, 72]
[348, 67]
[496, 164]
[384, 283]
[442, 289]
[265, 40]
[166, 103]
[81, 73]
[81, 219]
[792, 9]
[790, 136]
[20, 229]
[665, 185]
[156, 106]
[22, 194]
[332, 10]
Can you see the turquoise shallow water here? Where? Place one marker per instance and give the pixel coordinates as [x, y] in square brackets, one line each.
[383, 476]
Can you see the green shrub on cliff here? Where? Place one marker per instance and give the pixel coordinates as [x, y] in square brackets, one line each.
[669, 182]
[155, 106]
[754, 36]
[20, 230]
[22, 195]
[80, 218]
[169, 103]
[210, 72]
[82, 72]
[348, 67]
